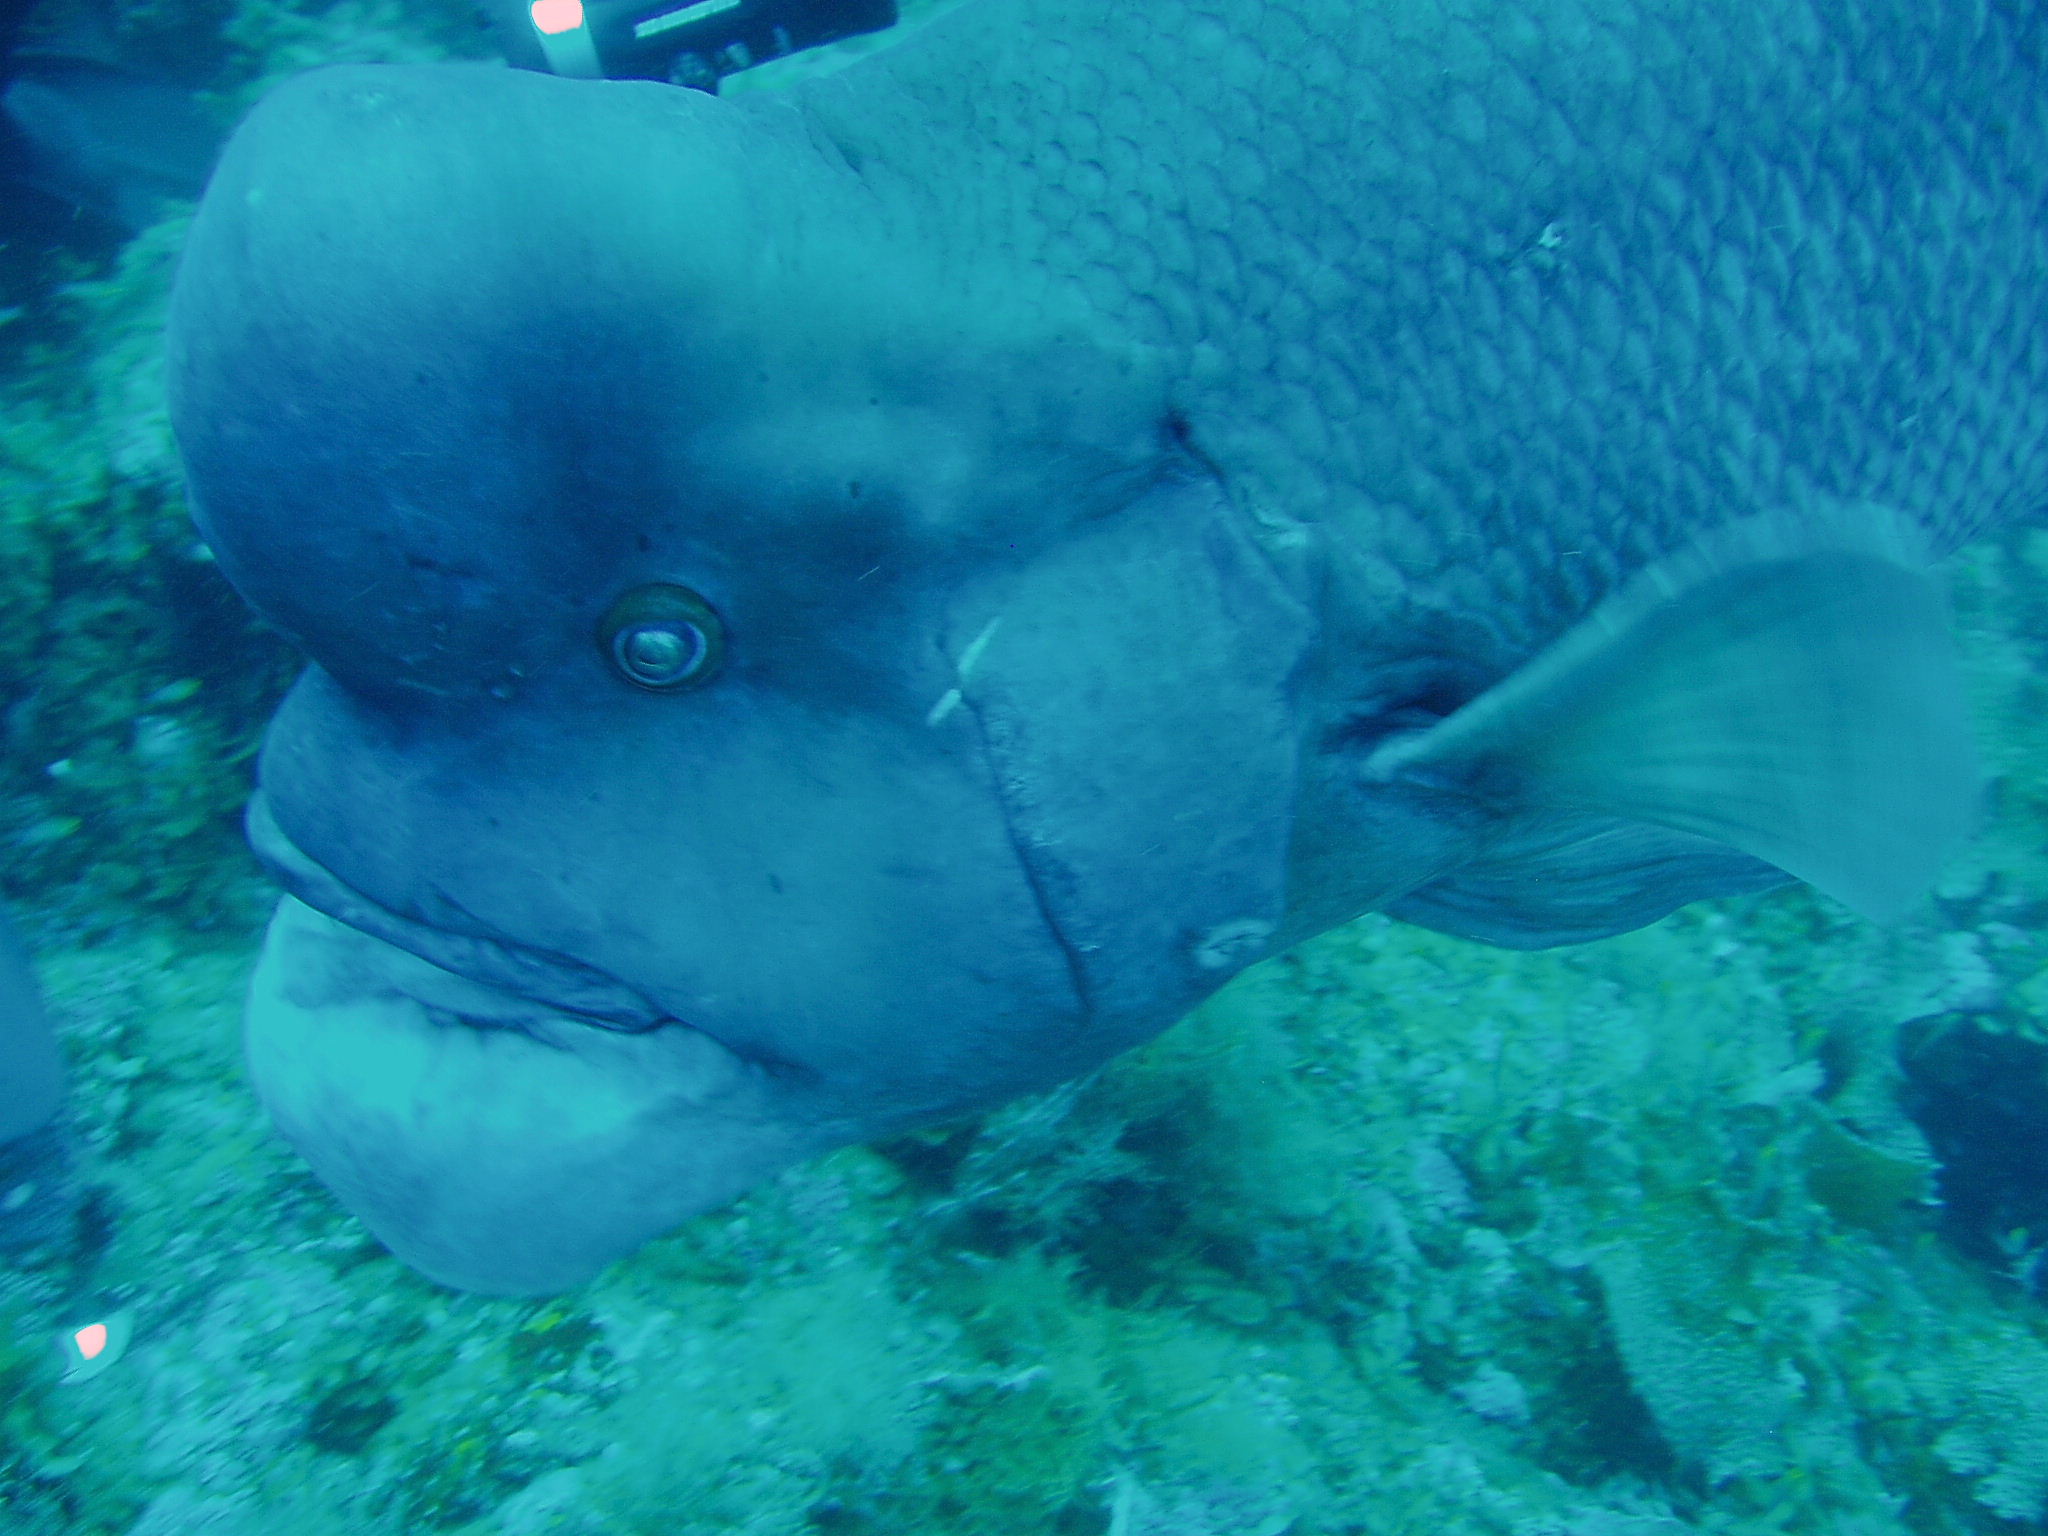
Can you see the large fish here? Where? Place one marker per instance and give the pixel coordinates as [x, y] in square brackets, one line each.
[830, 609]
[82, 132]
[37, 1192]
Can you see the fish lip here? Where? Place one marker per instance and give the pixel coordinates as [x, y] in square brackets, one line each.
[581, 992]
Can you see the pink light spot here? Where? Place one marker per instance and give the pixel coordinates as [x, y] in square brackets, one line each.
[553, 16]
[90, 1339]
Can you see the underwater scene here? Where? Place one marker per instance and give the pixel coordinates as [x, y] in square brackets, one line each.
[1049, 769]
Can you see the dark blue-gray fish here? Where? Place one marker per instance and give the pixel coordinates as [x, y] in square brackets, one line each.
[37, 1193]
[828, 610]
[91, 134]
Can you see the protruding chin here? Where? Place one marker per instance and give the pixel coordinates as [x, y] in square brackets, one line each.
[510, 1160]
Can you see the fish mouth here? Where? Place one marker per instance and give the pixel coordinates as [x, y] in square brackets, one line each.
[504, 1119]
[531, 981]
[489, 1143]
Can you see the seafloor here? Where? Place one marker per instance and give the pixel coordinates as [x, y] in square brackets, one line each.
[1735, 1224]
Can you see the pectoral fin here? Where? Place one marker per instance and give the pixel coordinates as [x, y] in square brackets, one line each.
[1791, 691]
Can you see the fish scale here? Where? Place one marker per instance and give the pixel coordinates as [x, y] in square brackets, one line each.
[1521, 277]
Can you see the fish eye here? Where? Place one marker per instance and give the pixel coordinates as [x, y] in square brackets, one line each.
[663, 638]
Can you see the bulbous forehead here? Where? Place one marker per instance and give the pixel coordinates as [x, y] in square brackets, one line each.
[458, 355]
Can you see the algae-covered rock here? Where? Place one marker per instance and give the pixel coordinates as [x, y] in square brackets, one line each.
[1718, 1396]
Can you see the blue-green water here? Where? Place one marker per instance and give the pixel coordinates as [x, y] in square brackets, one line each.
[1733, 1224]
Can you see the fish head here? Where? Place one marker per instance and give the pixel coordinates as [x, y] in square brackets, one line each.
[771, 685]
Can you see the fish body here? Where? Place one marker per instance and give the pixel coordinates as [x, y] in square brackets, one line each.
[31, 1070]
[830, 610]
[37, 1194]
[87, 133]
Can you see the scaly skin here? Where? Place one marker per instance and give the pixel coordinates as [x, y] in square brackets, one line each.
[1511, 295]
